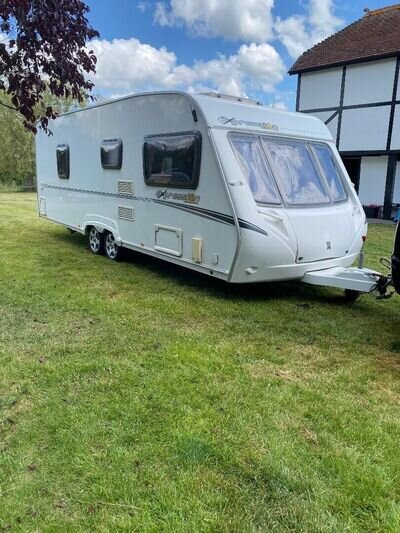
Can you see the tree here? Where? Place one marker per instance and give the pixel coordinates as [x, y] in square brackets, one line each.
[43, 50]
[17, 161]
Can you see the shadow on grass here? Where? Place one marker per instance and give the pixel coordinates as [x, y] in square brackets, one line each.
[378, 324]
[179, 275]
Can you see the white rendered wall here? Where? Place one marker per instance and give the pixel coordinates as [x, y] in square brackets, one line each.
[333, 126]
[370, 82]
[373, 180]
[396, 130]
[320, 89]
[364, 129]
[398, 90]
[396, 195]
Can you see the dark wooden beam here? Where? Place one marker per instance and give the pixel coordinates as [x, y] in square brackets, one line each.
[298, 92]
[389, 189]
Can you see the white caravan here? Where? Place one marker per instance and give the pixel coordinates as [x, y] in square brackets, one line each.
[221, 185]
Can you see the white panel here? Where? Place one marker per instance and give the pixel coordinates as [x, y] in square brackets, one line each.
[332, 126]
[367, 83]
[396, 130]
[323, 115]
[396, 195]
[320, 89]
[365, 129]
[373, 180]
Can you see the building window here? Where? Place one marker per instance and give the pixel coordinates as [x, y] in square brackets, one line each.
[111, 154]
[172, 160]
[249, 153]
[62, 151]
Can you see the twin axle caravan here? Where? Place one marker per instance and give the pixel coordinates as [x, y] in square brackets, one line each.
[220, 185]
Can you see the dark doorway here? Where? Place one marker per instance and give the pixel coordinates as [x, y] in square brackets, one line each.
[353, 167]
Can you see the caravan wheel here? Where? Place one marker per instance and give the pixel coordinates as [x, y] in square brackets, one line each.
[113, 251]
[351, 296]
[96, 241]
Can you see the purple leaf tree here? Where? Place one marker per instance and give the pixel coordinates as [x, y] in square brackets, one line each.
[44, 49]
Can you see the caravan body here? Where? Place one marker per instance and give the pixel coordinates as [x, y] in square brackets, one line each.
[225, 187]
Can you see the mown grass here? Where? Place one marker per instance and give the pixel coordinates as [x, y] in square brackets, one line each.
[141, 397]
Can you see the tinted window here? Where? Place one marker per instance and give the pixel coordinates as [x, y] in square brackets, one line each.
[325, 157]
[251, 158]
[172, 160]
[63, 161]
[296, 172]
[111, 153]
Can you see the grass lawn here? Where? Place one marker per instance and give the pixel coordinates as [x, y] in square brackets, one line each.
[137, 396]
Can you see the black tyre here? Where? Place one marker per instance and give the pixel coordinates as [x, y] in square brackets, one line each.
[351, 296]
[95, 241]
[112, 250]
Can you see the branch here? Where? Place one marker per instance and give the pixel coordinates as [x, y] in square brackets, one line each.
[8, 106]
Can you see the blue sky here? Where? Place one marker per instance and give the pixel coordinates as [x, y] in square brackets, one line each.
[241, 47]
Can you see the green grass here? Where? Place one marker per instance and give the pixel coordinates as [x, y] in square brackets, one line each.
[141, 397]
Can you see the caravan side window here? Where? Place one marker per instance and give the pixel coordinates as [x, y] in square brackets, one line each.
[62, 152]
[111, 154]
[172, 160]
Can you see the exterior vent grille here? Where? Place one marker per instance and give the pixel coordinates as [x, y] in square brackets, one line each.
[125, 213]
[125, 188]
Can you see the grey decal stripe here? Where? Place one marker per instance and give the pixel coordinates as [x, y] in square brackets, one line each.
[248, 225]
[228, 219]
[188, 209]
[199, 211]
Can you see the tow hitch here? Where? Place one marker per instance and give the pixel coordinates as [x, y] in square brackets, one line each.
[356, 281]
[353, 281]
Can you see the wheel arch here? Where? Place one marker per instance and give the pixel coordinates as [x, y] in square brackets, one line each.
[102, 226]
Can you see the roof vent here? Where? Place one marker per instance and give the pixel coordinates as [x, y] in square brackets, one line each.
[238, 99]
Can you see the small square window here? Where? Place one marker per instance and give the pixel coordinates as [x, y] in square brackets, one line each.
[111, 154]
[62, 151]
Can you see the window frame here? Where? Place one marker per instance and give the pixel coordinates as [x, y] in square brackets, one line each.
[233, 134]
[321, 176]
[308, 143]
[63, 175]
[198, 149]
[338, 170]
[119, 146]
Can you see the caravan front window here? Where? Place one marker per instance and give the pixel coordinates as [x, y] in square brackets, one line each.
[250, 155]
[296, 172]
[325, 158]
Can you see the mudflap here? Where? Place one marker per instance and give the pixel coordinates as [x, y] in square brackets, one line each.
[396, 261]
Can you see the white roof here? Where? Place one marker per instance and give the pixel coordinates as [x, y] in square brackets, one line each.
[242, 115]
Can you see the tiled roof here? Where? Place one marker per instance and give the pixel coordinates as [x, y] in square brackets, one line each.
[375, 35]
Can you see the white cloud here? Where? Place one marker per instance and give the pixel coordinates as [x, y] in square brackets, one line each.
[247, 20]
[127, 65]
[298, 33]
[251, 21]
[143, 6]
